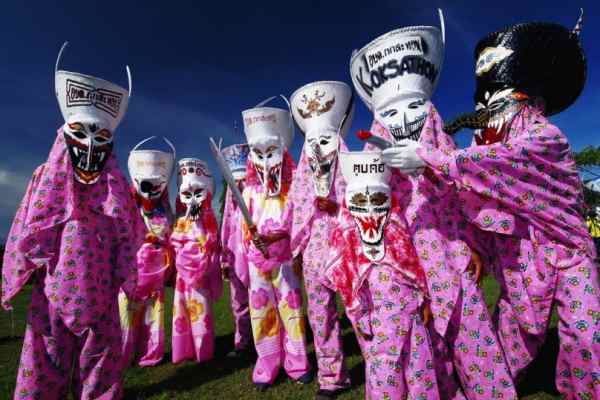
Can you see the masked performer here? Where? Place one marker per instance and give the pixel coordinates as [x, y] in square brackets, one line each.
[233, 257]
[195, 240]
[142, 317]
[275, 289]
[398, 89]
[323, 111]
[521, 183]
[74, 238]
[372, 263]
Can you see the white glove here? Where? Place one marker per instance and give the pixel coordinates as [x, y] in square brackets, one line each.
[404, 156]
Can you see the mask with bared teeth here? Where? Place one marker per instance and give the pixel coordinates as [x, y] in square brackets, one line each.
[269, 132]
[368, 198]
[92, 109]
[323, 111]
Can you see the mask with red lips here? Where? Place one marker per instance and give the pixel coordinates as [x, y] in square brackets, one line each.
[500, 106]
[195, 183]
[323, 110]
[92, 109]
[368, 198]
[269, 132]
[150, 172]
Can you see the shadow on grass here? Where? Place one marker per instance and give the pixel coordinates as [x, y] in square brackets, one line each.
[540, 375]
[10, 339]
[190, 375]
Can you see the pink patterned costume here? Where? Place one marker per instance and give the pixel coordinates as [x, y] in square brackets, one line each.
[384, 294]
[76, 243]
[142, 317]
[527, 191]
[234, 255]
[315, 196]
[277, 319]
[311, 230]
[199, 284]
[467, 341]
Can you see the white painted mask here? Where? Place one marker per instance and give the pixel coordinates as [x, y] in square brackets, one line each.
[368, 198]
[323, 111]
[92, 109]
[396, 75]
[194, 182]
[269, 131]
[151, 170]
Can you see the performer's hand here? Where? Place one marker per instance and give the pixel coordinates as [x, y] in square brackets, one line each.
[151, 238]
[272, 237]
[297, 263]
[475, 266]
[426, 313]
[403, 156]
[260, 243]
[326, 205]
[225, 271]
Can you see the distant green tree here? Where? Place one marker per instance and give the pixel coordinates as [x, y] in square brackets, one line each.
[586, 160]
[588, 157]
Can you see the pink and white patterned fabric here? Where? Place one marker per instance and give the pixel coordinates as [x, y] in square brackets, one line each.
[432, 209]
[310, 232]
[198, 285]
[528, 192]
[76, 244]
[384, 300]
[142, 317]
[234, 259]
[278, 324]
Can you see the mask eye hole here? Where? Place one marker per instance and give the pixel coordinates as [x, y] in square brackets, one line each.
[389, 113]
[269, 155]
[415, 104]
[103, 136]
[496, 105]
[324, 142]
[258, 154]
[198, 192]
[187, 194]
[379, 199]
[79, 134]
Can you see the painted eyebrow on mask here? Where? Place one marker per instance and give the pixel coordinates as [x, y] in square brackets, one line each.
[359, 199]
[105, 133]
[378, 198]
[76, 126]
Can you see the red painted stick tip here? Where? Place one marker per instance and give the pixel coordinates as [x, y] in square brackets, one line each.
[364, 135]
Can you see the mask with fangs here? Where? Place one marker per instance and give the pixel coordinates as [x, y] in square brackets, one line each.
[150, 172]
[500, 107]
[396, 75]
[539, 65]
[92, 109]
[269, 132]
[368, 198]
[196, 185]
[236, 157]
[323, 111]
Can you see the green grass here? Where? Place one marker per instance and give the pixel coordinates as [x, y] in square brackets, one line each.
[227, 379]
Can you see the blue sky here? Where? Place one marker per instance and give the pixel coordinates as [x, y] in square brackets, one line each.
[197, 65]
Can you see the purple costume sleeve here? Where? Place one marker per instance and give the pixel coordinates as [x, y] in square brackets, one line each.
[130, 239]
[227, 253]
[531, 175]
[17, 266]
